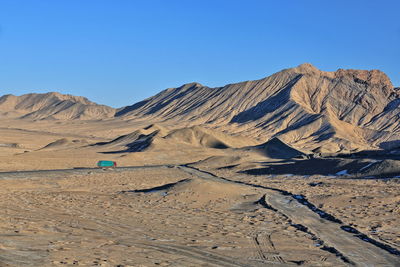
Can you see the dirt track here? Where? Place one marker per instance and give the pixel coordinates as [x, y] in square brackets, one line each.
[347, 246]
[342, 245]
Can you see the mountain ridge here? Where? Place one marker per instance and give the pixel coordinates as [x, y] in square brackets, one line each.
[52, 105]
[301, 105]
[343, 110]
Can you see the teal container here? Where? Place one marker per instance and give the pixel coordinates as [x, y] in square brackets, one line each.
[106, 164]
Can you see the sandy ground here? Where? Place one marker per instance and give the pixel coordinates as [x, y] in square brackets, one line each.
[98, 220]
[26, 145]
[167, 216]
[370, 205]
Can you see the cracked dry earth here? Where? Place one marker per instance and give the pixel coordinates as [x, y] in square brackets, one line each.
[112, 219]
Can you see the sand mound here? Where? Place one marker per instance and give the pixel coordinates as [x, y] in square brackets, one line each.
[199, 190]
[11, 145]
[210, 138]
[198, 136]
[219, 161]
[136, 141]
[158, 137]
[65, 143]
[155, 127]
[277, 149]
[133, 142]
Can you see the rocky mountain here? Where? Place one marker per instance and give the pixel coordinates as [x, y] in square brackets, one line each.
[52, 106]
[303, 106]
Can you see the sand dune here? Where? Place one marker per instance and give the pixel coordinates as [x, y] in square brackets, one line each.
[277, 149]
[65, 143]
[157, 137]
[199, 191]
[136, 141]
[200, 136]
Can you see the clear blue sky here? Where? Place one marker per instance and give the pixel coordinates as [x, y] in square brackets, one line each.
[118, 52]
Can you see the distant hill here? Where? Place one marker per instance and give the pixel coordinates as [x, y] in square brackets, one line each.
[52, 106]
[303, 106]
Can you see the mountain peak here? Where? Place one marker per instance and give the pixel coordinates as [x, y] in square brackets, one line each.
[306, 68]
[370, 77]
[196, 84]
[63, 97]
[192, 85]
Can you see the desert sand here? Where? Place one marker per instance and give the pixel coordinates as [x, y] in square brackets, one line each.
[161, 214]
[281, 171]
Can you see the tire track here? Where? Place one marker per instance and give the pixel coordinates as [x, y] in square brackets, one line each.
[265, 249]
[116, 229]
[345, 245]
[191, 252]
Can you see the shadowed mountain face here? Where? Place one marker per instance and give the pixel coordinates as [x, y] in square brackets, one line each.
[303, 106]
[52, 106]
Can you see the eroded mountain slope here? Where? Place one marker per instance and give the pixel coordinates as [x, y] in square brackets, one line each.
[52, 106]
[332, 111]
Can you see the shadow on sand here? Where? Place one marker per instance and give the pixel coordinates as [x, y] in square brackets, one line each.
[350, 168]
